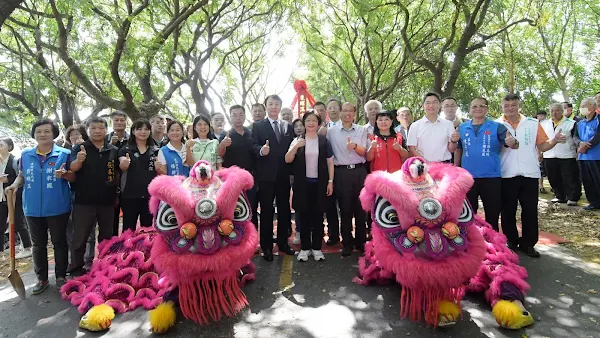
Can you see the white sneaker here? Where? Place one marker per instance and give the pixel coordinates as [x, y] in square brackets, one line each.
[571, 203]
[303, 255]
[24, 253]
[296, 239]
[318, 255]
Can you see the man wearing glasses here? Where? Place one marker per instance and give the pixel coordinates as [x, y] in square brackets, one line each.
[481, 142]
[449, 108]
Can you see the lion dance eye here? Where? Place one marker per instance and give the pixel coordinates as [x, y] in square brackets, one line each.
[242, 211]
[165, 218]
[385, 214]
[466, 214]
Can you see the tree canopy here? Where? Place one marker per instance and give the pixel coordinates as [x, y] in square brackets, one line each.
[69, 60]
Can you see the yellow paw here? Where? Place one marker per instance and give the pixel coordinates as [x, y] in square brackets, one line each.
[511, 316]
[162, 317]
[97, 318]
[448, 313]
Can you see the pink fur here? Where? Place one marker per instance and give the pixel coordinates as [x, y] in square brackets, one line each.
[181, 267]
[169, 188]
[486, 263]
[231, 190]
[414, 272]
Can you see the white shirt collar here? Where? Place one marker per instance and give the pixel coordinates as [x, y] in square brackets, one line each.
[427, 120]
[271, 121]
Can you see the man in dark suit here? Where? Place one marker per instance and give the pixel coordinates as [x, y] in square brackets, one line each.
[272, 138]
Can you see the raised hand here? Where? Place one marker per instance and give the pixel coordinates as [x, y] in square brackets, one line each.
[265, 149]
[350, 145]
[60, 172]
[396, 145]
[190, 144]
[301, 142]
[226, 140]
[510, 140]
[374, 142]
[82, 154]
[559, 137]
[455, 136]
[323, 129]
[126, 162]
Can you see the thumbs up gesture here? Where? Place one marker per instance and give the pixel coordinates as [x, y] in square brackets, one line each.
[510, 140]
[226, 140]
[350, 145]
[265, 149]
[455, 136]
[126, 162]
[560, 137]
[397, 145]
[323, 129]
[82, 154]
[190, 144]
[374, 142]
[60, 172]
[301, 142]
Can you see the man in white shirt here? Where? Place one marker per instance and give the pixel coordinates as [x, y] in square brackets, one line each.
[560, 161]
[520, 174]
[372, 108]
[432, 137]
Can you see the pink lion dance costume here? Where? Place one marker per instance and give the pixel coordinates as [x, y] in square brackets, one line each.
[427, 239]
[198, 254]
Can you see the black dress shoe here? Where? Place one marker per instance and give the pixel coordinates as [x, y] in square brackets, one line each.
[512, 245]
[288, 251]
[360, 247]
[346, 251]
[268, 255]
[529, 251]
[332, 242]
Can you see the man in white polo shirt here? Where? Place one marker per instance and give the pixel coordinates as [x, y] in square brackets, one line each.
[561, 161]
[520, 174]
[432, 137]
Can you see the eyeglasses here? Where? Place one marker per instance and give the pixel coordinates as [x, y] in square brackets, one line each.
[479, 106]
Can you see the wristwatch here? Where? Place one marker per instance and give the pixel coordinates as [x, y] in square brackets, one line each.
[330, 181]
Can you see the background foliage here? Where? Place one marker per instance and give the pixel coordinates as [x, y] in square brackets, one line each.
[70, 60]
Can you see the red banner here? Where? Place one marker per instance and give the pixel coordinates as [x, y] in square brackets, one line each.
[303, 99]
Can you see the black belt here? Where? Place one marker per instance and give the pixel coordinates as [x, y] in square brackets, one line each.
[350, 166]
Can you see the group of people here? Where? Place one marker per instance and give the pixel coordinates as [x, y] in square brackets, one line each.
[323, 157]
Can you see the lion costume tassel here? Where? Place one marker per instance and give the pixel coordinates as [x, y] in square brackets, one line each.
[198, 254]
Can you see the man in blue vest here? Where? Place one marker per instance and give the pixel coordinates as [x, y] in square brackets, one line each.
[479, 148]
[44, 174]
[589, 152]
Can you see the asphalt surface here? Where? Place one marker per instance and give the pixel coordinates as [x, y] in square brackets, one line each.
[319, 299]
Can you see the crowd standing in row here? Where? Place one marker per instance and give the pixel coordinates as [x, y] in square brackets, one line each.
[324, 157]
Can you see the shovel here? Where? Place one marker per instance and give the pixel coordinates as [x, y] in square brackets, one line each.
[14, 277]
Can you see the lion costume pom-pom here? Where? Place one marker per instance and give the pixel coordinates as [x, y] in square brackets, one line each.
[97, 318]
[162, 318]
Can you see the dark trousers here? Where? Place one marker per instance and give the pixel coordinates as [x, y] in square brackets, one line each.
[348, 183]
[590, 175]
[84, 220]
[333, 220]
[254, 203]
[563, 175]
[21, 227]
[38, 227]
[134, 208]
[524, 191]
[116, 216]
[490, 191]
[279, 191]
[311, 231]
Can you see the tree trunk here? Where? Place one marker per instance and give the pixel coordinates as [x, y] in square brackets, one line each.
[68, 108]
[564, 88]
[6, 9]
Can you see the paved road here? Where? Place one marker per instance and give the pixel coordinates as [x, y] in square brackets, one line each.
[320, 300]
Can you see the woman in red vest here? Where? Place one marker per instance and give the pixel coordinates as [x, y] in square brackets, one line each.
[387, 150]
